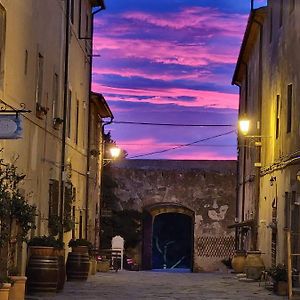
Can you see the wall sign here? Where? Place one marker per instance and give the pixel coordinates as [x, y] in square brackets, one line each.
[11, 126]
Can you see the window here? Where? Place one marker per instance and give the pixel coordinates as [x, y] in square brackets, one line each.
[68, 130]
[53, 197]
[86, 25]
[25, 62]
[55, 96]
[72, 8]
[39, 79]
[77, 122]
[80, 225]
[292, 5]
[289, 108]
[277, 116]
[53, 206]
[2, 42]
[281, 13]
[74, 219]
[271, 25]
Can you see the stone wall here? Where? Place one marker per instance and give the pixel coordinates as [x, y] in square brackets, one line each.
[208, 188]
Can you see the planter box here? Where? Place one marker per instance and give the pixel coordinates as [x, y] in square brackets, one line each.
[103, 266]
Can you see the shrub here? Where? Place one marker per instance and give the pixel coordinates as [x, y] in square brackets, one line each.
[279, 273]
[46, 241]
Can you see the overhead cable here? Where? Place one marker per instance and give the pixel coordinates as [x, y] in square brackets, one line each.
[172, 124]
[183, 145]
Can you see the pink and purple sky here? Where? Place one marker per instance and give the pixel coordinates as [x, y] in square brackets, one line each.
[170, 61]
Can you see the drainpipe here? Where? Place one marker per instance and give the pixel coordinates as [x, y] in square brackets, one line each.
[237, 204]
[89, 126]
[260, 99]
[62, 176]
[244, 145]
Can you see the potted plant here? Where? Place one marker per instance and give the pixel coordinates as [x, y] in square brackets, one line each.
[57, 123]
[41, 111]
[5, 285]
[80, 245]
[78, 264]
[42, 245]
[17, 218]
[45, 270]
[280, 277]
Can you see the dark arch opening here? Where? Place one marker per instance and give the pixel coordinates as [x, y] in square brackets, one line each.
[172, 241]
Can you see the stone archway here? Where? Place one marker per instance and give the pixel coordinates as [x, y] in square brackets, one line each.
[168, 237]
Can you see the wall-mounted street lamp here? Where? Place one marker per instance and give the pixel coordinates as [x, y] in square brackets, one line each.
[115, 152]
[244, 126]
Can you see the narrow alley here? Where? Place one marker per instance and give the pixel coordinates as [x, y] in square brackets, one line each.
[161, 285]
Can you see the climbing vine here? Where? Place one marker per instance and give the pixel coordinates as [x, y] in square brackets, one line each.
[17, 216]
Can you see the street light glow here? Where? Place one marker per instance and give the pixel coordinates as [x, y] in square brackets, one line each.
[244, 126]
[115, 152]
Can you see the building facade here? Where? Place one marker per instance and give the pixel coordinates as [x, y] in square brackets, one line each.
[267, 73]
[45, 66]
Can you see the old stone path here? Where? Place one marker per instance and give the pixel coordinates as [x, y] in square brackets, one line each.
[159, 285]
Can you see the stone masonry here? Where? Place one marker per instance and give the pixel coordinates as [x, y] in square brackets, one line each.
[207, 188]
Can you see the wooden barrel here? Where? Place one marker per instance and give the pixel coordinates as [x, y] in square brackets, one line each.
[60, 253]
[77, 266]
[42, 274]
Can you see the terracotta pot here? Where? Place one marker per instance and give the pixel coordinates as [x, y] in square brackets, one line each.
[93, 266]
[41, 251]
[254, 265]
[238, 261]
[280, 288]
[17, 291]
[4, 291]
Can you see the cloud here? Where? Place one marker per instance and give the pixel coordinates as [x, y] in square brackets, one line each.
[167, 96]
[170, 60]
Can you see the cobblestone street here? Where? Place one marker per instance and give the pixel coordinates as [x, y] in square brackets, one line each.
[160, 285]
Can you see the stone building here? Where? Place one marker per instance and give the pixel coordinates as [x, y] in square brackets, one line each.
[267, 73]
[186, 207]
[45, 65]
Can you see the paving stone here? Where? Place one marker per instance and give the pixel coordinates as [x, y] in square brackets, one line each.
[126, 285]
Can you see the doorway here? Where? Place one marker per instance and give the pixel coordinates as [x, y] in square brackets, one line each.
[172, 241]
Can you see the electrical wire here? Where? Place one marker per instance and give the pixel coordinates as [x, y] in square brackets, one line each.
[183, 145]
[169, 145]
[172, 124]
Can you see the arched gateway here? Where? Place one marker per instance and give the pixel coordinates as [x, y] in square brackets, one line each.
[187, 207]
[168, 237]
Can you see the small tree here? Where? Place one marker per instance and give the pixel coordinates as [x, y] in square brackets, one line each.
[17, 216]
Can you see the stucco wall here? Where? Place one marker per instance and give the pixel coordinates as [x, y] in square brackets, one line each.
[208, 188]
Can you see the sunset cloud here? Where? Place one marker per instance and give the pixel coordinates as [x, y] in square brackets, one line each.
[162, 62]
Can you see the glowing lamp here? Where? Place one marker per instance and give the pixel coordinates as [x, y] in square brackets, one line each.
[244, 126]
[115, 152]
